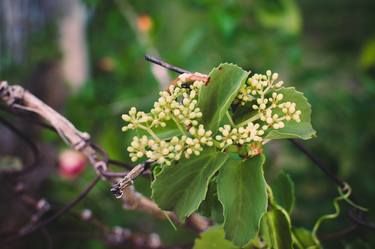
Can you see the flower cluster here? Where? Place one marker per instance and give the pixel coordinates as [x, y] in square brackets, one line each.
[179, 105]
[244, 134]
[165, 151]
[261, 92]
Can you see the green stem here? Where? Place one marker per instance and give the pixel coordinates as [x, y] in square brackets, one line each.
[253, 118]
[150, 132]
[183, 131]
[230, 118]
[341, 197]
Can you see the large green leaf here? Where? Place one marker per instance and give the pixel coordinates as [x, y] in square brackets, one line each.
[242, 192]
[182, 186]
[283, 191]
[213, 238]
[276, 229]
[216, 97]
[292, 129]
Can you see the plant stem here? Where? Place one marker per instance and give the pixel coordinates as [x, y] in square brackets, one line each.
[253, 118]
[230, 118]
[150, 132]
[183, 131]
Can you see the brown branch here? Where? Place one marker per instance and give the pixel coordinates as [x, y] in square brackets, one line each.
[18, 98]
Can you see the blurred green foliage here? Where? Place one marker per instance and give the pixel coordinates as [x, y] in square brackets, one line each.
[323, 48]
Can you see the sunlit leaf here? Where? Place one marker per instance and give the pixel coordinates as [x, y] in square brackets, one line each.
[286, 16]
[182, 186]
[216, 98]
[242, 192]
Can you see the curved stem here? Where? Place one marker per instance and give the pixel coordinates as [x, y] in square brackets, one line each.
[230, 119]
[150, 132]
[183, 131]
[252, 119]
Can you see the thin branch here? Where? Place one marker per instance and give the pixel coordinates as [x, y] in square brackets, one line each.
[48, 237]
[28, 141]
[17, 97]
[339, 234]
[58, 214]
[318, 163]
[356, 216]
[168, 66]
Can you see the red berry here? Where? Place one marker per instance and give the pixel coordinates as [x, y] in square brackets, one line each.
[71, 163]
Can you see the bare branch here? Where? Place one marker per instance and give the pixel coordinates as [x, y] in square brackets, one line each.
[18, 98]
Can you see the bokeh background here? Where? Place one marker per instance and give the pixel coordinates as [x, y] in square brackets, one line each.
[86, 59]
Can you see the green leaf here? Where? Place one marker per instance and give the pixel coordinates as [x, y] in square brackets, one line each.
[303, 239]
[213, 238]
[293, 129]
[182, 186]
[242, 192]
[211, 207]
[276, 229]
[243, 113]
[283, 191]
[168, 131]
[216, 98]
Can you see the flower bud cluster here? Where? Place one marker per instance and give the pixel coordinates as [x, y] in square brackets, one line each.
[180, 105]
[258, 84]
[135, 119]
[177, 103]
[166, 151]
[239, 136]
[260, 91]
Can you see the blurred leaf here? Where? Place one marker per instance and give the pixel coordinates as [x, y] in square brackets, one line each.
[213, 238]
[283, 191]
[275, 227]
[225, 21]
[302, 239]
[182, 186]
[292, 129]
[285, 16]
[216, 98]
[242, 192]
[367, 56]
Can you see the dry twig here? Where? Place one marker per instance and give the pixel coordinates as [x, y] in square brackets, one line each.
[18, 98]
